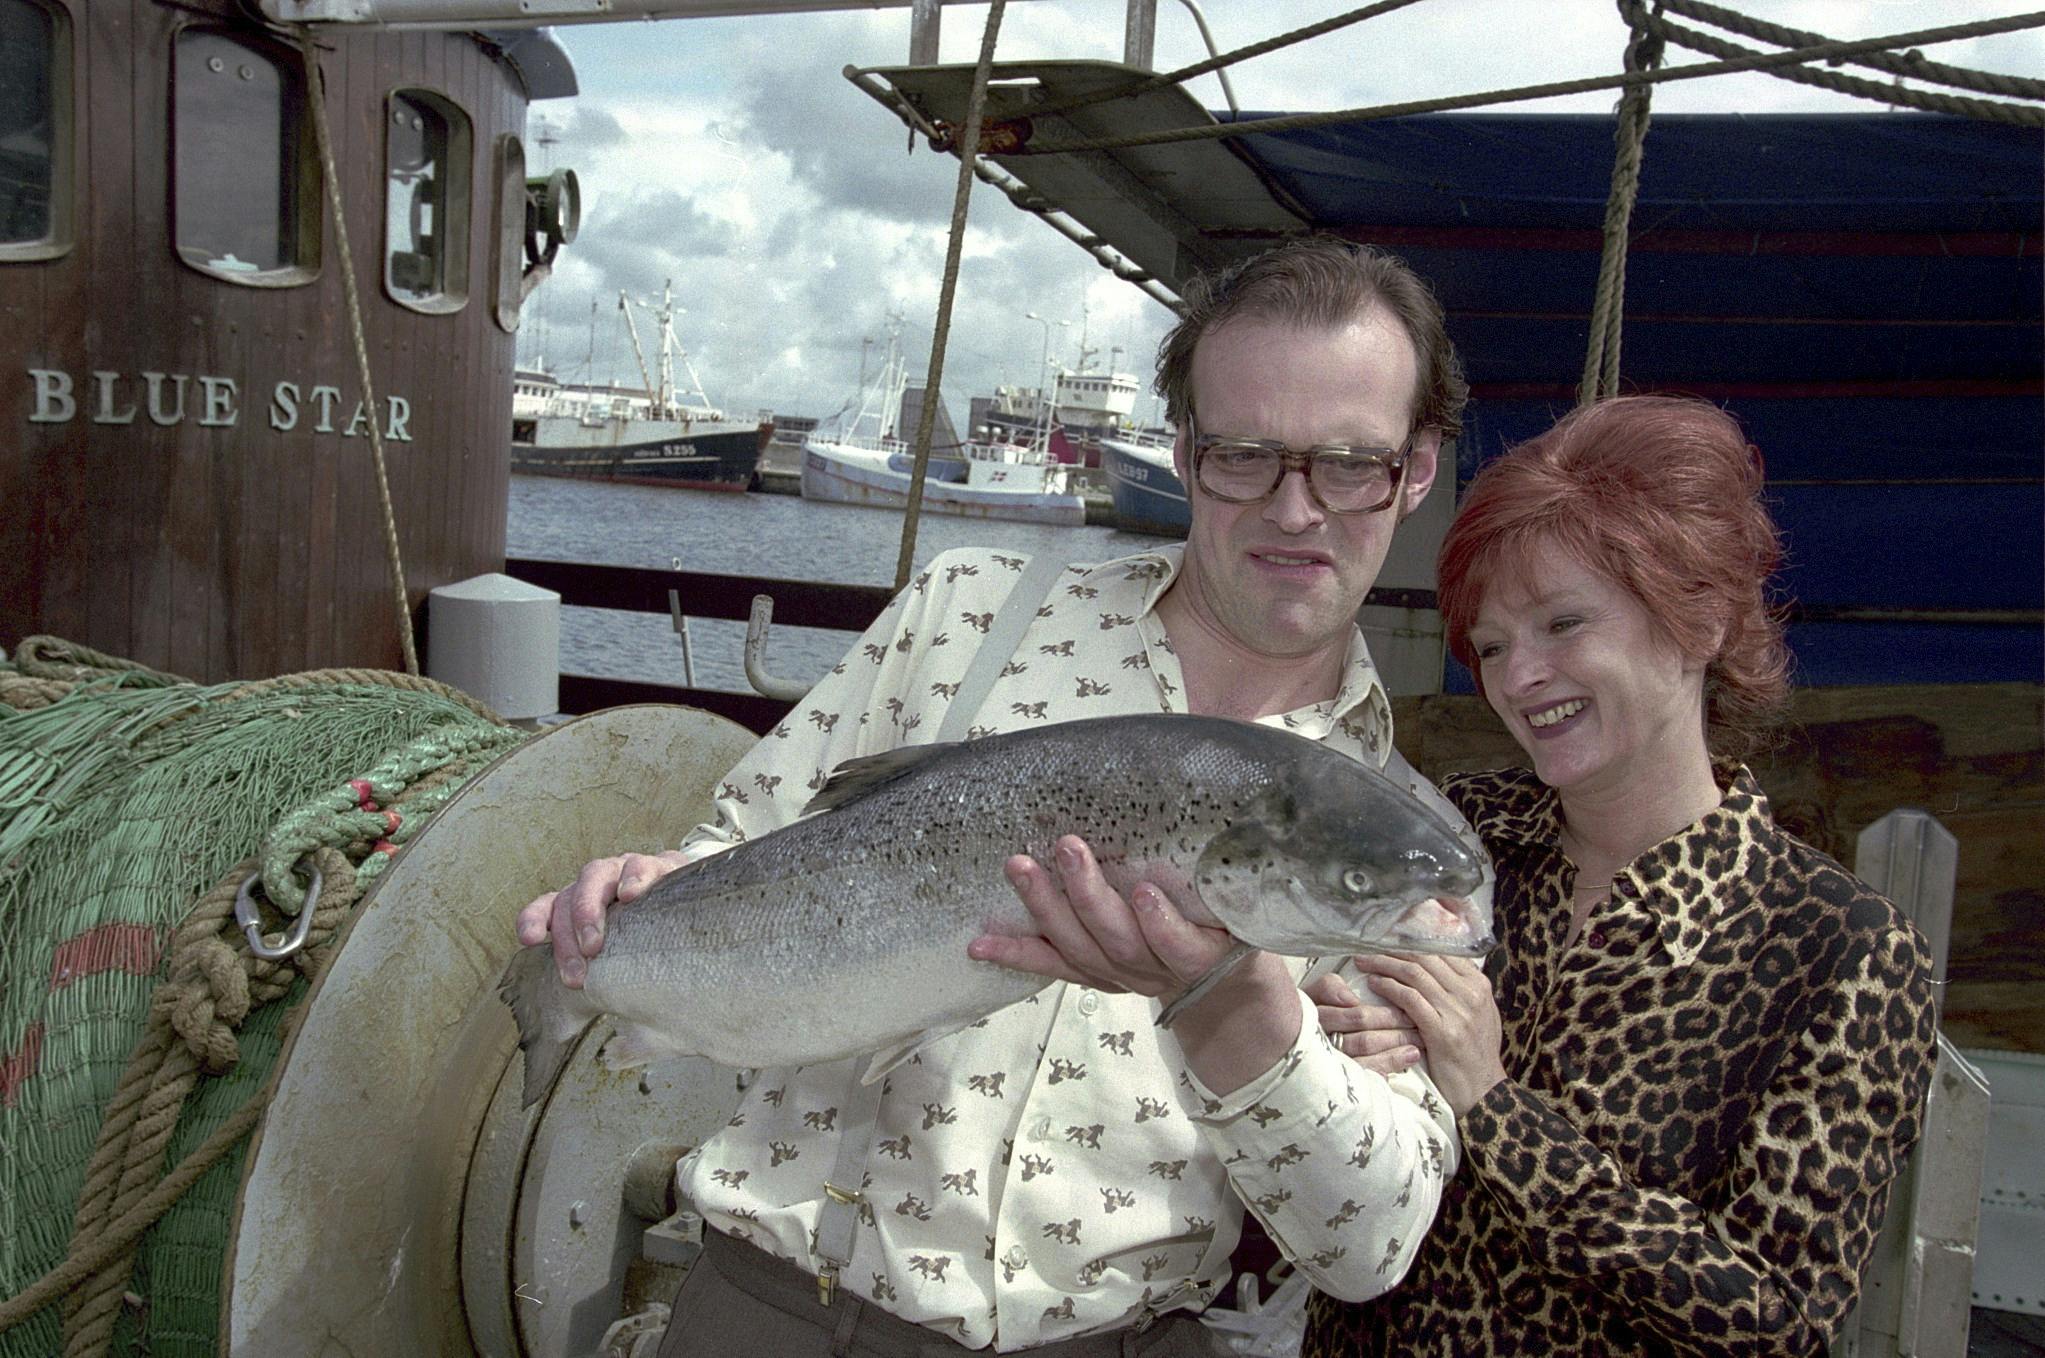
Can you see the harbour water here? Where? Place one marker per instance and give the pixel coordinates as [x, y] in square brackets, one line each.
[772, 536]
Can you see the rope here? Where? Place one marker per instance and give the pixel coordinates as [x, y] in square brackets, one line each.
[1767, 61]
[1912, 64]
[1199, 68]
[1988, 110]
[212, 986]
[410, 683]
[46, 657]
[25, 693]
[318, 99]
[1608, 312]
[926, 418]
[91, 1256]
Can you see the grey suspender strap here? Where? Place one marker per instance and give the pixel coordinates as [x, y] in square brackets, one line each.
[843, 1188]
[1004, 634]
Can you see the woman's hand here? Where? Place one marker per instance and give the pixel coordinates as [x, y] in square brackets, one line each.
[1378, 1037]
[1449, 1001]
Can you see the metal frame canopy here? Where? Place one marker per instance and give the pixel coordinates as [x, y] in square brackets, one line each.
[1169, 210]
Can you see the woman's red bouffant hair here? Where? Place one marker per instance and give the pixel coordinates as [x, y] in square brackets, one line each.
[1660, 494]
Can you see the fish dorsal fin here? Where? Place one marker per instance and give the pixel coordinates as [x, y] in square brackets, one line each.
[856, 777]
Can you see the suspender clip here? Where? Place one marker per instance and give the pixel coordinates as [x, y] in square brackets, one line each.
[827, 1284]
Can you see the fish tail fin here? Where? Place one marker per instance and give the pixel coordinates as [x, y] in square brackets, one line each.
[549, 1018]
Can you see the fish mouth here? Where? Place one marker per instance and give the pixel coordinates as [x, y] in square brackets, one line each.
[1448, 926]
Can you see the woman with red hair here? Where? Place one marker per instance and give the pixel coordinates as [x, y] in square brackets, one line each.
[1687, 1078]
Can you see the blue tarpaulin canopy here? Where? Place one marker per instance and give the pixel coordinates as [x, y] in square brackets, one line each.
[1862, 290]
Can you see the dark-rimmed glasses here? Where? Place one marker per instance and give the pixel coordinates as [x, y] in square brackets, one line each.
[1342, 478]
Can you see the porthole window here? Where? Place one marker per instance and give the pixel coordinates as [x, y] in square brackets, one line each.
[510, 230]
[36, 130]
[427, 154]
[245, 179]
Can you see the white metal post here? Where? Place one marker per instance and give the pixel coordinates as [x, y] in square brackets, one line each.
[1139, 35]
[1918, 1288]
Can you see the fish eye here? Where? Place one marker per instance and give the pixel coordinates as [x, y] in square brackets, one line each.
[1357, 880]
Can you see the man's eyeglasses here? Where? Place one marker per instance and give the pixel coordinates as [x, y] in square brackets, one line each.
[1342, 478]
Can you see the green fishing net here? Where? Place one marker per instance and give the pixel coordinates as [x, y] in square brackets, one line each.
[121, 803]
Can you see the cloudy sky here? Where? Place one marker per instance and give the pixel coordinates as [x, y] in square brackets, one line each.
[733, 158]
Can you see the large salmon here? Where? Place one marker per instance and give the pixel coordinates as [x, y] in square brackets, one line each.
[845, 932]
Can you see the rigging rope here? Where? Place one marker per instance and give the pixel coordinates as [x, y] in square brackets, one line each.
[1999, 112]
[1912, 64]
[1198, 68]
[926, 418]
[317, 97]
[1608, 311]
[1934, 101]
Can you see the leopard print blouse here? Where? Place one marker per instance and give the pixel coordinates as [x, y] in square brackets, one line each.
[1708, 1096]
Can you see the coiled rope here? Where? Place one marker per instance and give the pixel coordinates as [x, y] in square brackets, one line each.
[213, 982]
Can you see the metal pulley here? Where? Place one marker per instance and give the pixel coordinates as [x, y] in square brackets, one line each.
[553, 214]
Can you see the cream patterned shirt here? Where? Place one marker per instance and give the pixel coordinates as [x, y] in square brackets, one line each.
[1054, 1168]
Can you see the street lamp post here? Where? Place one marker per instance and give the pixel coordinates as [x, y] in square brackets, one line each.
[1043, 378]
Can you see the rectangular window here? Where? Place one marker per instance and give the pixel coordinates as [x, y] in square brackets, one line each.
[245, 181]
[427, 154]
[36, 132]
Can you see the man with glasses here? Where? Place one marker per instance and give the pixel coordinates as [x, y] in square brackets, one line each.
[1064, 1177]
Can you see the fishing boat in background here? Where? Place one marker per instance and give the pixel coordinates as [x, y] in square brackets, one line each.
[858, 458]
[655, 435]
[1085, 408]
[1144, 484]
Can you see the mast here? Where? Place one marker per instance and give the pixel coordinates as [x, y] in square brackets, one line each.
[632, 329]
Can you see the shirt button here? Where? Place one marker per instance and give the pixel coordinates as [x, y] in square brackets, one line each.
[1016, 1257]
[1089, 1001]
[1042, 1131]
[1597, 938]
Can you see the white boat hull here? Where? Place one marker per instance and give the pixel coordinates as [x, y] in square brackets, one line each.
[853, 480]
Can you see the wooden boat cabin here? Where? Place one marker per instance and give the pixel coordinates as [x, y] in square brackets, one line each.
[187, 476]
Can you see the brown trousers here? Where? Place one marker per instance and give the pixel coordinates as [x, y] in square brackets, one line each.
[741, 1302]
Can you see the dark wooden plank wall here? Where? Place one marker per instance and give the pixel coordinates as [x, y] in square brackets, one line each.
[1971, 754]
[221, 553]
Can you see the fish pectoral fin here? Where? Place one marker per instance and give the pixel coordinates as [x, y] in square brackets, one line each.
[895, 1053]
[856, 777]
[635, 1045]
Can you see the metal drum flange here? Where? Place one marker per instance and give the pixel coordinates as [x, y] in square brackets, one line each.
[348, 1232]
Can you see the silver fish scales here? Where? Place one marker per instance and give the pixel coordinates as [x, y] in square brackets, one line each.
[845, 932]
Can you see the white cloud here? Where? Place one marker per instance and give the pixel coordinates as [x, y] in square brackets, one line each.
[791, 211]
